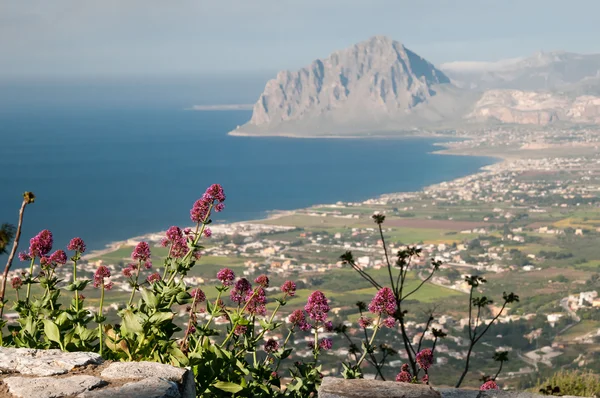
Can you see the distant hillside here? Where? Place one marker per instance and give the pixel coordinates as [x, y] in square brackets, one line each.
[381, 86]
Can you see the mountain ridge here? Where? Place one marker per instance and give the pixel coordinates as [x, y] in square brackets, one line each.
[380, 85]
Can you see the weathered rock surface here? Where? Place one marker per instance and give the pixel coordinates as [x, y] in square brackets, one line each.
[51, 387]
[154, 387]
[143, 370]
[43, 362]
[80, 374]
[339, 388]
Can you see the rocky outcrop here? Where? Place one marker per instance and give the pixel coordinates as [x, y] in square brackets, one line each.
[31, 373]
[537, 108]
[371, 82]
[340, 388]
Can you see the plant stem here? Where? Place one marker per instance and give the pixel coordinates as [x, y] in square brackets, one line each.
[30, 277]
[364, 354]
[100, 315]
[76, 293]
[134, 287]
[28, 197]
[233, 326]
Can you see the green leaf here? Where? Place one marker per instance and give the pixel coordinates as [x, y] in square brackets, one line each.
[131, 325]
[228, 386]
[149, 298]
[159, 317]
[51, 331]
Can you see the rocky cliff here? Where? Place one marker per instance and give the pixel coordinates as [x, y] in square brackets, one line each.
[381, 86]
[376, 82]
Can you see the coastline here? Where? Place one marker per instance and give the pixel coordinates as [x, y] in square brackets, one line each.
[276, 214]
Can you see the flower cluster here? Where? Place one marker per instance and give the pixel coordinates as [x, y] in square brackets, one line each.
[198, 295]
[297, 318]
[404, 376]
[178, 242]
[152, 278]
[489, 385]
[100, 276]
[325, 344]
[262, 280]
[201, 208]
[289, 288]
[384, 302]
[240, 290]
[141, 252]
[271, 346]
[425, 358]
[226, 276]
[77, 244]
[317, 306]
[41, 244]
[16, 283]
[256, 302]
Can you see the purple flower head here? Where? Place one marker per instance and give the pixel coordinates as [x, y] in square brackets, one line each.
[297, 317]
[175, 238]
[289, 288]
[59, 257]
[328, 326]
[240, 290]
[489, 385]
[240, 330]
[271, 346]
[425, 358]
[141, 252]
[198, 295]
[317, 307]
[384, 302]
[174, 233]
[41, 244]
[219, 207]
[148, 264]
[326, 344]
[215, 191]
[207, 232]
[200, 210]
[256, 302]
[226, 276]
[128, 271]
[24, 256]
[100, 275]
[77, 244]
[262, 280]
[389, 322]
[404, 367]
[364, 322]
[425, 379]
[152, 278]
[108, 286]
[404, 377]
[16, 283]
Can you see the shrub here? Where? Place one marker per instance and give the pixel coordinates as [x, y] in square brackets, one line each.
[570, 382]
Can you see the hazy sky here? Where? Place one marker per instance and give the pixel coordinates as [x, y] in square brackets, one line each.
[170, 37]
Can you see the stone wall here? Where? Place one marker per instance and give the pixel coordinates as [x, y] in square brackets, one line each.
[340, 388]
[31, 373]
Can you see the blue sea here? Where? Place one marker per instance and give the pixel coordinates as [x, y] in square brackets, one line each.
[107, 173]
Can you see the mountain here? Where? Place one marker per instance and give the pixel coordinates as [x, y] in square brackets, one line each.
[541, 71]
[379, 86]
[376, 84]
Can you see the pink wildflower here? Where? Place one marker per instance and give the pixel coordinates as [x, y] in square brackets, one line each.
[240, 290]
[384, 302]
[489, 385]
[207, 232]
[271, 346]
[365, 322]
[256, 302]
[389, 322]
[226, 276]
[425, 358]
[317, 306]
[41, 244]
[326, 344]
[152, 278]
[24, 256]
[404, 377]
[141, 252]
[198, 295]
[289, 288]
[59, 257]
[77, 244]
[262, 280]
[16, 283]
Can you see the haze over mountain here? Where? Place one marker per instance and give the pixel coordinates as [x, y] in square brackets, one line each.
[379, 85]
